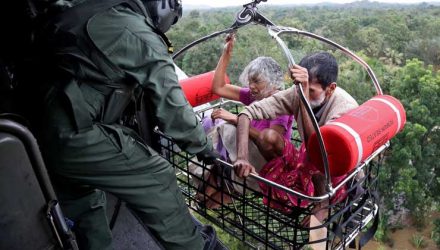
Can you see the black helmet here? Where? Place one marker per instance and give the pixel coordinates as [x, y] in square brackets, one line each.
[164, 12]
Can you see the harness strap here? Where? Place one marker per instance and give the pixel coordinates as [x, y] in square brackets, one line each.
[366, 236]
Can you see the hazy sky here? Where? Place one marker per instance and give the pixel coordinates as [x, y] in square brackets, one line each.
[222, 3]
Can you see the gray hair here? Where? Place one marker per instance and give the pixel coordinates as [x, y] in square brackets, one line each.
[265, 69]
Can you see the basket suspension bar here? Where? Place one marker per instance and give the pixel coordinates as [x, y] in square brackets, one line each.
[280, 30]
[274, 32]
[249, 14]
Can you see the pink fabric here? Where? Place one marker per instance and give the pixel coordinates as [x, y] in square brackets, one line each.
[284, 121]
[293, 171]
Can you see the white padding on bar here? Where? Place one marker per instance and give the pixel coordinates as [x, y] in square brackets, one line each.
[356, 137]
[393, 107]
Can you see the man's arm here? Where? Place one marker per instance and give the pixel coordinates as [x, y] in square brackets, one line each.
[301, 76]
[281, 103]
[143, 56]
[175, 116]
[242, 167]
[155, 71]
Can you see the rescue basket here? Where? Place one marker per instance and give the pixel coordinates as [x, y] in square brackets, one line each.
[245, 216]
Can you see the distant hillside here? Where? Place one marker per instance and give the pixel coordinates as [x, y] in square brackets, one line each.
[195, 7]
[364, 4]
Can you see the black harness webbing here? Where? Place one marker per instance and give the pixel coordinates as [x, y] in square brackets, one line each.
[350, 214]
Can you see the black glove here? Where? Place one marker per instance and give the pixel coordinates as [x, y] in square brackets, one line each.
[208, 156]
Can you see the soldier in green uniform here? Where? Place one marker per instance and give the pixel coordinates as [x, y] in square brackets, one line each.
[99, 54]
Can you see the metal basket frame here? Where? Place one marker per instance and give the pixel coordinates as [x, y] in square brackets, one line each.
[262, 227]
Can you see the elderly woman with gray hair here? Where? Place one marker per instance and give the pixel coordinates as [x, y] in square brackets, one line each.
[261, 78]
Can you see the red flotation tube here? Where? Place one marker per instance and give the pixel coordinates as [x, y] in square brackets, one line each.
[354, 136]
[198, 88]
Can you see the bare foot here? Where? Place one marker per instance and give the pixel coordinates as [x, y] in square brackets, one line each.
[209, 188]
[218, 199]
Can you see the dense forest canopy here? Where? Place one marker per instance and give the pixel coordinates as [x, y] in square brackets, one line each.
[402, 45]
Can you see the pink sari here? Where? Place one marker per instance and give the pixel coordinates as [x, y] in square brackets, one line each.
[293, 171]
